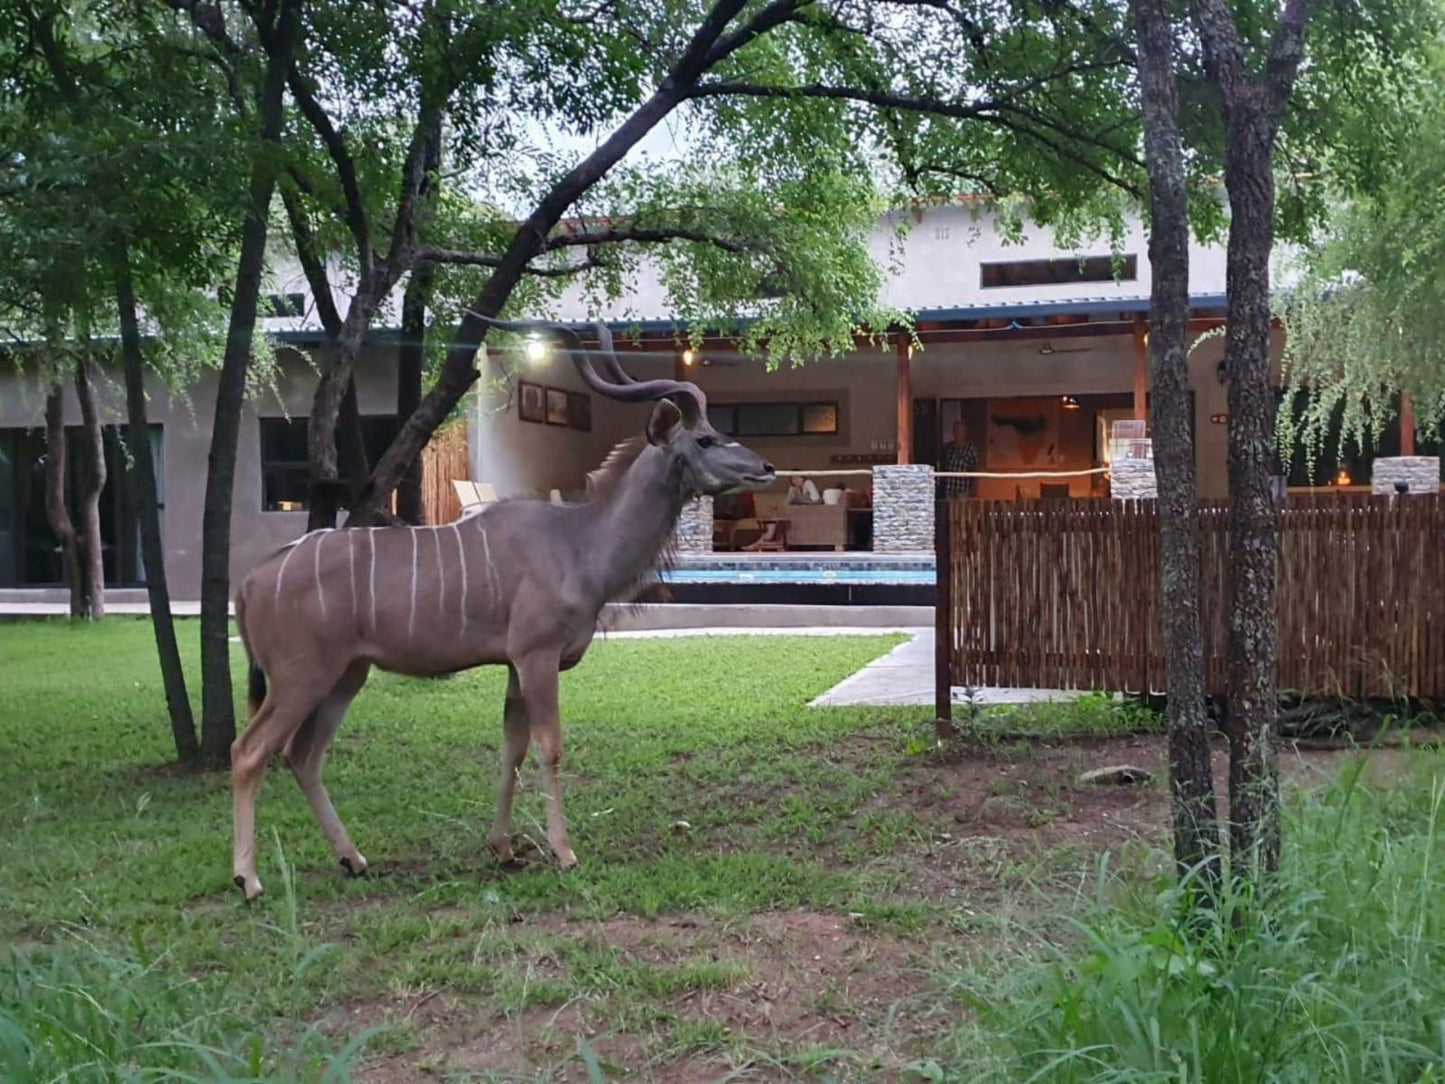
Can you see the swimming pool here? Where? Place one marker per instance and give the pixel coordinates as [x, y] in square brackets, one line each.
[802, 575]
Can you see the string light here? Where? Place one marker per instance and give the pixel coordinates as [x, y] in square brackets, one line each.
[689, 356]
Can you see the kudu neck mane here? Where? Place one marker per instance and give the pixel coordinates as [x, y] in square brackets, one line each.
[634, 500]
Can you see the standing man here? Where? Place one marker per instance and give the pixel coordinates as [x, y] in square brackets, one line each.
[958, 455]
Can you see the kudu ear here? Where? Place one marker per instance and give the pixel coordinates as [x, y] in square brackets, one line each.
[662, 426]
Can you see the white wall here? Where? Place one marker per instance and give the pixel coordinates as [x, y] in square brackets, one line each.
[938, 268]
[527, 459]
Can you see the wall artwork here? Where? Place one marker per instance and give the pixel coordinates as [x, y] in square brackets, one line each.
[579, 411]
[531, 402]
[556, 406]
[1023, 434]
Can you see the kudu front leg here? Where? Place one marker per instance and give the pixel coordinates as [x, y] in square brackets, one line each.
[539, 692]
[515, 736]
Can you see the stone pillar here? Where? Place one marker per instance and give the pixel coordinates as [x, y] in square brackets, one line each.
[1131, 465]
[1418, 473]
[694, 527]
[903, 508]
[1133, 480]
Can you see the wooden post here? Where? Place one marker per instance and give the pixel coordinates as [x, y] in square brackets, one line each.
[1407, 424]
[1141, 370]
[905, 400]
[943, 620]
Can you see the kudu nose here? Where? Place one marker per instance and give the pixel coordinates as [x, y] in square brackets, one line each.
[768, 468]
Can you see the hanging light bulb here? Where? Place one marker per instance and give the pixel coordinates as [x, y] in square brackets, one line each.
[689, 356]
[536, 350]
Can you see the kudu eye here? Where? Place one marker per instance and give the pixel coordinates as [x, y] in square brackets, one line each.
[705, 442]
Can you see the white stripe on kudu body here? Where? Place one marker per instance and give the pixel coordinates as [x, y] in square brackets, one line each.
[441, 572]
[320, 584]
[351, 560]
[494, 586]
[411, 619]
[462, 561]
[371, 594]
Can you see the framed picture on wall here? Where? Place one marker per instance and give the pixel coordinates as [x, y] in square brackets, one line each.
[531, 402]
[579, 411]
[556, 406]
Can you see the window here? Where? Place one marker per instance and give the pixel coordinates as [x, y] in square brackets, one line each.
[774, 419]
[286, 304]
[29, 552]
[285, 469]
[1060, 272]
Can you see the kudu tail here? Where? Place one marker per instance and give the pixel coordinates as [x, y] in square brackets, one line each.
[255, 676]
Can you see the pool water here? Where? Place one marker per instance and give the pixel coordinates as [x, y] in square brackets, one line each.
[802, 575]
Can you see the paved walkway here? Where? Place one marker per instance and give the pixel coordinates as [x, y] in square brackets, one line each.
[904, 677]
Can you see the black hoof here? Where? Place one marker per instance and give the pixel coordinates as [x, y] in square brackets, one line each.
[239, 882]
[350, 872]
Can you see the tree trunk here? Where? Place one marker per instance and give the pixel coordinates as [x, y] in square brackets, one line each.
[329, 405]
[1253, 525]
[1191, 775]
[218, 720]
[173, 676]
[409, 365]
[92, 557]
[56, 512]
[327, 497]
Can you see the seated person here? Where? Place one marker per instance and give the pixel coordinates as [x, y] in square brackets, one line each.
[802, 491]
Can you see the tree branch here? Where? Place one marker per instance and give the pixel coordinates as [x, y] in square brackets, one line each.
[619, 234]
[1286, 48]
[770, 17]
[312, 264]
[1223, 51]
[317, 117]
[423, 157]
[988, 110]
[457, 258]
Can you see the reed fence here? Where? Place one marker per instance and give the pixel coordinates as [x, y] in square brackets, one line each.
[1065, 595]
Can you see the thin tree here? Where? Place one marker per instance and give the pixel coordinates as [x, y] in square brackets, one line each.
[280, 21]
[1191, 774]
[1253, 93]
[146, 489]
[57, 510]
[92, 474]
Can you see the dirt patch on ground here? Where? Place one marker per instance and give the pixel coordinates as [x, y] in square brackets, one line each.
[1011, 805]
[796, 985]
[806, 994]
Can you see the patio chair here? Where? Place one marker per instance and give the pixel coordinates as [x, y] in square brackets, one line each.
[474, 494]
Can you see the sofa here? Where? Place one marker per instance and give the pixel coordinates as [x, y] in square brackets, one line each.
[808, 525]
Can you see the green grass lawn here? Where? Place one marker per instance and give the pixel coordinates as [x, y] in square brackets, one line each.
[766, 891]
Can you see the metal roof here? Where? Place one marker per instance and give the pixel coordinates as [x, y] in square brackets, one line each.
[1079, 306]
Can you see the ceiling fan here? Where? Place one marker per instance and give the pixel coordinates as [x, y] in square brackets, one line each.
[1048, 348]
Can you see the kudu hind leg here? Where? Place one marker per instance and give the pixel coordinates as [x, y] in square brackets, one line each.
[280, 716]
[306, 753]
[539, 690]
[516, 735]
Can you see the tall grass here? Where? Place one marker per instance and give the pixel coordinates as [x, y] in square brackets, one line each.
[1337, 976]
[78, 1012]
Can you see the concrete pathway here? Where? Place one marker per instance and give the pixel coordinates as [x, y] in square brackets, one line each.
[904, 677]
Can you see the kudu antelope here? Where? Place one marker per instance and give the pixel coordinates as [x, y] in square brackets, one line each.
[521, 583]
